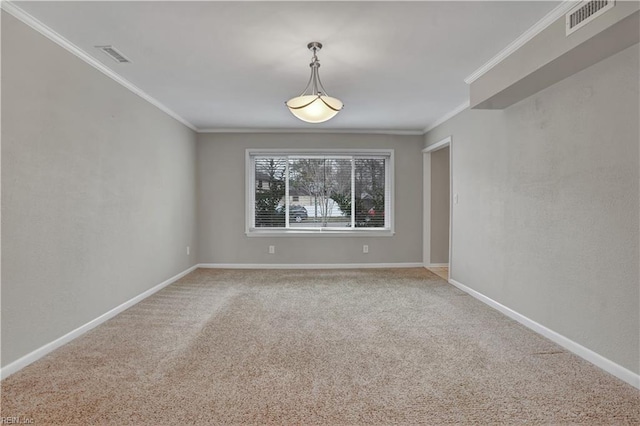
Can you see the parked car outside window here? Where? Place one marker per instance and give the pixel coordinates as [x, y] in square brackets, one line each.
[296, 212]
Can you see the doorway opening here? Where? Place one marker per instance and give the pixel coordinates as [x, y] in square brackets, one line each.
[437, 223]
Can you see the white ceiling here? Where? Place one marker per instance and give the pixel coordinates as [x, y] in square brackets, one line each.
[397, 66]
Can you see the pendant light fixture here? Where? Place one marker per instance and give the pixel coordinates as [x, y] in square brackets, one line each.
[314, 105]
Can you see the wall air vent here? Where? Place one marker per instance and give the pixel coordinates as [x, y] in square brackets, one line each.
[585, 12]
[114, 54]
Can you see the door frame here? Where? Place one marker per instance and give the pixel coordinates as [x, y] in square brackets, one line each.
[426, 200]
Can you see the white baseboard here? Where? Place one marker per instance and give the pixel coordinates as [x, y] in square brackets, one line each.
[31, 357]
[604, 363]
[308, 265]
[437, 265]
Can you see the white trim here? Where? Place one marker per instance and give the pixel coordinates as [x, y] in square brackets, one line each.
[438, 145]
[426, 208]
[426, 200]
[437, 265]
[457, 110]
[34, 23]
[319, 232]
[308, 265]
[31, 357]
[598, 360]
[450, 205]
[558, 12]
[249, 195]
[416, 132]
[319, 151]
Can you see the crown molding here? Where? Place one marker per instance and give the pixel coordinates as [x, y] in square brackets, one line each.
[37, 25]
[457, 110]
[43, 29]
[536, 29]
[311, 131]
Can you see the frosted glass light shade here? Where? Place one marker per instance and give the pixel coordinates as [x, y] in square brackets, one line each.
[314, 108]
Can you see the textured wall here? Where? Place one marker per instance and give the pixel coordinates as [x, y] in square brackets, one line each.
[221, 198]
[98, 192]
[440, 206]
[547, 220]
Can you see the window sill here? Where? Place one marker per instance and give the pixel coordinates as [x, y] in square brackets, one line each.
[319, 233]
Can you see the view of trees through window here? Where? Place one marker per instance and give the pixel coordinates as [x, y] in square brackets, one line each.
[329, 191]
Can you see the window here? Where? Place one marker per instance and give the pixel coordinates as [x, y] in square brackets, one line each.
[319, 192]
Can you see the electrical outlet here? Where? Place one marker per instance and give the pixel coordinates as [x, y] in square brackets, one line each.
[188, 250]
[272, 249]
[365, 248]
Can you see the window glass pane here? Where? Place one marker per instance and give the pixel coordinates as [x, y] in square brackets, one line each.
[269, 191]
[370, 192]
[323, 191]
[339, 190]
[321, 185]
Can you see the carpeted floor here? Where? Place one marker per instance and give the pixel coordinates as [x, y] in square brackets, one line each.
[310, 347]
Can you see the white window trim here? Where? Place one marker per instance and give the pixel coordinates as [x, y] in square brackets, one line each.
[250, 231]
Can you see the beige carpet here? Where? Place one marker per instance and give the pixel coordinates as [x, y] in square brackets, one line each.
[315, 347]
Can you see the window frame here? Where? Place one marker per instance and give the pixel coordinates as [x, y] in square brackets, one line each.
[252, 231]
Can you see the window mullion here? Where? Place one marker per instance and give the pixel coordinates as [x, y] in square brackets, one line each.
[353, 193]
[286, 195]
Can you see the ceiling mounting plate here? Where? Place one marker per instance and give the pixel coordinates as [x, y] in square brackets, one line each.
[314, 45]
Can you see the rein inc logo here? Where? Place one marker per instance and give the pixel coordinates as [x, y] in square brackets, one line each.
[16, 420]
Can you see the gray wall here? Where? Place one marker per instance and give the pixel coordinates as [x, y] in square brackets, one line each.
[221, 198]
[547, 220]
[98, 192]
[440, 206]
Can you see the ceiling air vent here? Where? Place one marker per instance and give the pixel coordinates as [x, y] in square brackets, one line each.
[585, 12]
[114, 54]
